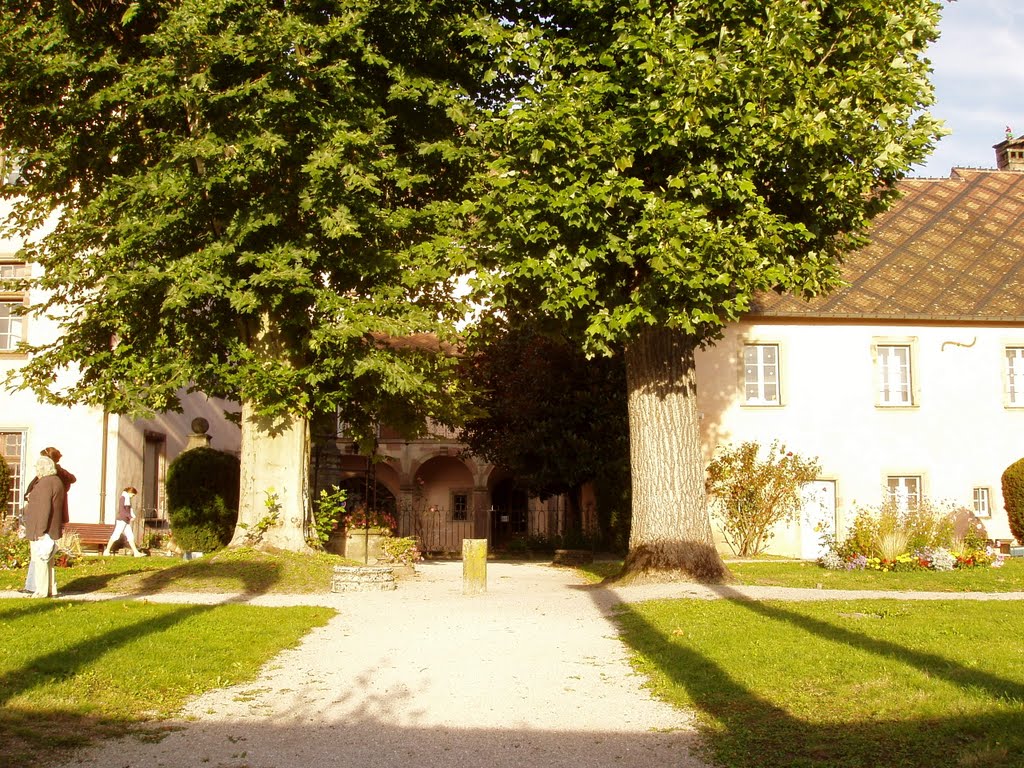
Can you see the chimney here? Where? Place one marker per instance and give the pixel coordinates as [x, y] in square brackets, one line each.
[1010, 153]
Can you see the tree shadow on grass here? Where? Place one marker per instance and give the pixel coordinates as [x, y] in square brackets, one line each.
[27, 734]
[243, 579]
[745, 729]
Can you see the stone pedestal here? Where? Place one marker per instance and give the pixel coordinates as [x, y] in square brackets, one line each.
[474, 566]
[363, 578]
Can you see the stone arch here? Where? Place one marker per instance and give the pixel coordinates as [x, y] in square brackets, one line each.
[443, 502]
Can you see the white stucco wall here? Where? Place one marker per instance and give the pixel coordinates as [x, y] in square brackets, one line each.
[958, 435]
[104, 455]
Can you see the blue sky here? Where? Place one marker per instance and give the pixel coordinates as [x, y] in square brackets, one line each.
[978, 65]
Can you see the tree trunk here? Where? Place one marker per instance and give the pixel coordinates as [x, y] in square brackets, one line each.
[671, 531]
[274, 490]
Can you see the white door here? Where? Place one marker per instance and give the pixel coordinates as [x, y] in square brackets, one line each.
[817, 517]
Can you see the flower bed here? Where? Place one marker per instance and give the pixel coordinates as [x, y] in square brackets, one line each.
[928, 559]
[920, 537]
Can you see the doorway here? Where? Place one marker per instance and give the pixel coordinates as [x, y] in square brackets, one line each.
[154, 465]
[817, 517]
[509, 513]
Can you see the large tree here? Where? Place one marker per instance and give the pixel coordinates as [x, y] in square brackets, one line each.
[660, 162]
[244, 197]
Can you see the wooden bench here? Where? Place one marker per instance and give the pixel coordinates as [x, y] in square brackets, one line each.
[96, 534]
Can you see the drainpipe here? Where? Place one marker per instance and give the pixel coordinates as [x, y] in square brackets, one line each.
[103, 467]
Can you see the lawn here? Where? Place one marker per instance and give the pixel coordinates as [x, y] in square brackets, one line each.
[793, 573]
[71, 672]
[843, 684]
[242, 570]
[1008, 578]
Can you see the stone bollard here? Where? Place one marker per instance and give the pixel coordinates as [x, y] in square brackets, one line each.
[474, 566]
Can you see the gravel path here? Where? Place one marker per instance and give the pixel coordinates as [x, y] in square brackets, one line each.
[530, 674]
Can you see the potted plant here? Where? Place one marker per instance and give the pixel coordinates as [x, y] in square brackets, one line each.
[400, 552]
[365, 530]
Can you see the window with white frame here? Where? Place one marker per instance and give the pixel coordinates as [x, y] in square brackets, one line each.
[905, 490]
[761, 374]
[460, 506]
[12, 450]
[12, 325]
[982, 507]
[894, 374]
[1015, 376]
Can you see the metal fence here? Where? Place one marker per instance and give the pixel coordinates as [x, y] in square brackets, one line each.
[440, 532]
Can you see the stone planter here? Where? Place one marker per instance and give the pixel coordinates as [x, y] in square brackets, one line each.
[335, 543]
[363, 544]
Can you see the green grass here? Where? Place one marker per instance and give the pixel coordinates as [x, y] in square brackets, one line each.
[1008, 578]
[843, 684]
[72, 672]
[247, 571]
[792, 573]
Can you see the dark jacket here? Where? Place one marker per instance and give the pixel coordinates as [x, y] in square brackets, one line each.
[44, 511]
[65, 477]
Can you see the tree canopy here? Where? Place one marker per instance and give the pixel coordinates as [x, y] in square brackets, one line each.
[246, 194]
[667, 160]
[664, 161]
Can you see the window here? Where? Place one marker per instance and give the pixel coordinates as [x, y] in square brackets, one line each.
[761, 374]
[12, 325]
[905, 491]
[1015, 376]
[894, 381]
[981, 503]
[460, 507]
[12, 448]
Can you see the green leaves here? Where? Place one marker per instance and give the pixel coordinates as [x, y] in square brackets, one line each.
[692, 158]
[223, 168]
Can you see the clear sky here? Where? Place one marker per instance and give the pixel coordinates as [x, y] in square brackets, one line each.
[978, 65]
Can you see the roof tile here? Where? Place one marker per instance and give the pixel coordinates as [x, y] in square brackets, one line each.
[949, 249]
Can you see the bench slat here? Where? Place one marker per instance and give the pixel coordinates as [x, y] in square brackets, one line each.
[90, 533]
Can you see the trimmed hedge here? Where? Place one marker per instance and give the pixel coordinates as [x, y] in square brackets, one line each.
[1013, 498]
[202, 498]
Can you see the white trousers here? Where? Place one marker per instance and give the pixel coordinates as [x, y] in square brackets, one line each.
[42, 550]
[122, 528]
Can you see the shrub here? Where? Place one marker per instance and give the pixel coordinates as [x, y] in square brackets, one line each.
[753, 494]
[888, 538]
[888, 545]
[14, 552]
[5, 485]
[202, 498]
[879, 531]
[402, 550]
[328, 512]
[937, 559]
[1013, 498]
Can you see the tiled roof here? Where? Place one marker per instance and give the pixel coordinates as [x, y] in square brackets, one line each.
[948, 250]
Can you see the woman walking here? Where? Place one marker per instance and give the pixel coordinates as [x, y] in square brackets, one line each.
[123, 523]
